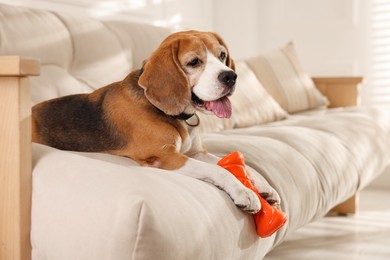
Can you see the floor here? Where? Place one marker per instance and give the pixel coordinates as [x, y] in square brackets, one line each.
[365, 235]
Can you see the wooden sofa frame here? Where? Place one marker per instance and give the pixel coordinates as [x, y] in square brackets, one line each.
[16, 157]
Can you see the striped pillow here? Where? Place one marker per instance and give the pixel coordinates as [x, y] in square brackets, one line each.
[282, 76]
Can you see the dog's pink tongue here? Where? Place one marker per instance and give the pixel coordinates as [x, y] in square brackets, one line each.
[222, 107]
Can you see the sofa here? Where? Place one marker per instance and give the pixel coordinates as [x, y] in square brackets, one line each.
[306, 137]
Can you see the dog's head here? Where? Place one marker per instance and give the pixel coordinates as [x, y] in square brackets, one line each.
[190, 70]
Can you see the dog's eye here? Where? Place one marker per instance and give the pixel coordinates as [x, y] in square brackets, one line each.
[194, 63]
[222, 56]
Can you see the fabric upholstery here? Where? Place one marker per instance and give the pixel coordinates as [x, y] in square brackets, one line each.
[77, 54]
[281, 73]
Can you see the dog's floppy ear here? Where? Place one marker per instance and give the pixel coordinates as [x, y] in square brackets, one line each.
[164, 81]
[229, 61]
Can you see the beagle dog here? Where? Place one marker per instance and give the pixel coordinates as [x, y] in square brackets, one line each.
[147, 116]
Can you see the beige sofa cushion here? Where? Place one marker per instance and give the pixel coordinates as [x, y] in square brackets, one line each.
[282, 75]
[49, 41]
[77, 54]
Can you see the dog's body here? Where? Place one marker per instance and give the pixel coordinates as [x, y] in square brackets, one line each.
[144, 117]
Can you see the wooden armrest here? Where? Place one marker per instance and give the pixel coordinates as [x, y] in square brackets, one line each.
[18, 66]
[350, 206]
[340, 91]
[15, 156]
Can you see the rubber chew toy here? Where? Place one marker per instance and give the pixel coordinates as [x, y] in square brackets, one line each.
[269, 219]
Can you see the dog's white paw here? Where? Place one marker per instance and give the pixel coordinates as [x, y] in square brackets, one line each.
[245, 199]
[267, 192]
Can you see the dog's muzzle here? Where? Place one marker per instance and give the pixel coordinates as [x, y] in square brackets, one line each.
[228, 78]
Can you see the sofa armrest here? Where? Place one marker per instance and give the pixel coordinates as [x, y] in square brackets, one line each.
[15, 156]
[340, 91]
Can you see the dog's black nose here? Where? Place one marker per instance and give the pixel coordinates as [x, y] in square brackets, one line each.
[228, 78]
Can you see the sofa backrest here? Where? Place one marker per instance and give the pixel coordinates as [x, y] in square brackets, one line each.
[77, 54]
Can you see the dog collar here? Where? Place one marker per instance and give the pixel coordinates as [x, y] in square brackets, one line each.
[183, 116]
[186, 118]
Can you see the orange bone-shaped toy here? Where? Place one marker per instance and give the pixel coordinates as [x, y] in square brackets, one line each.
[269, 219]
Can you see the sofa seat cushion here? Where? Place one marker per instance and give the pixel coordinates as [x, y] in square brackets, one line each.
[90, 205]
[98, 206]
[314, 162]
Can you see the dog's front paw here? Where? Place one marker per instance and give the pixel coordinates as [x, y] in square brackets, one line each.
[267, 192]
[245, 199]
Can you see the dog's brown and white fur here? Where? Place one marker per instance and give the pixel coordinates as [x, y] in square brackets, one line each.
[143, 117]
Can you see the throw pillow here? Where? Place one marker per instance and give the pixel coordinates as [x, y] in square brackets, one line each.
[281, 74]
